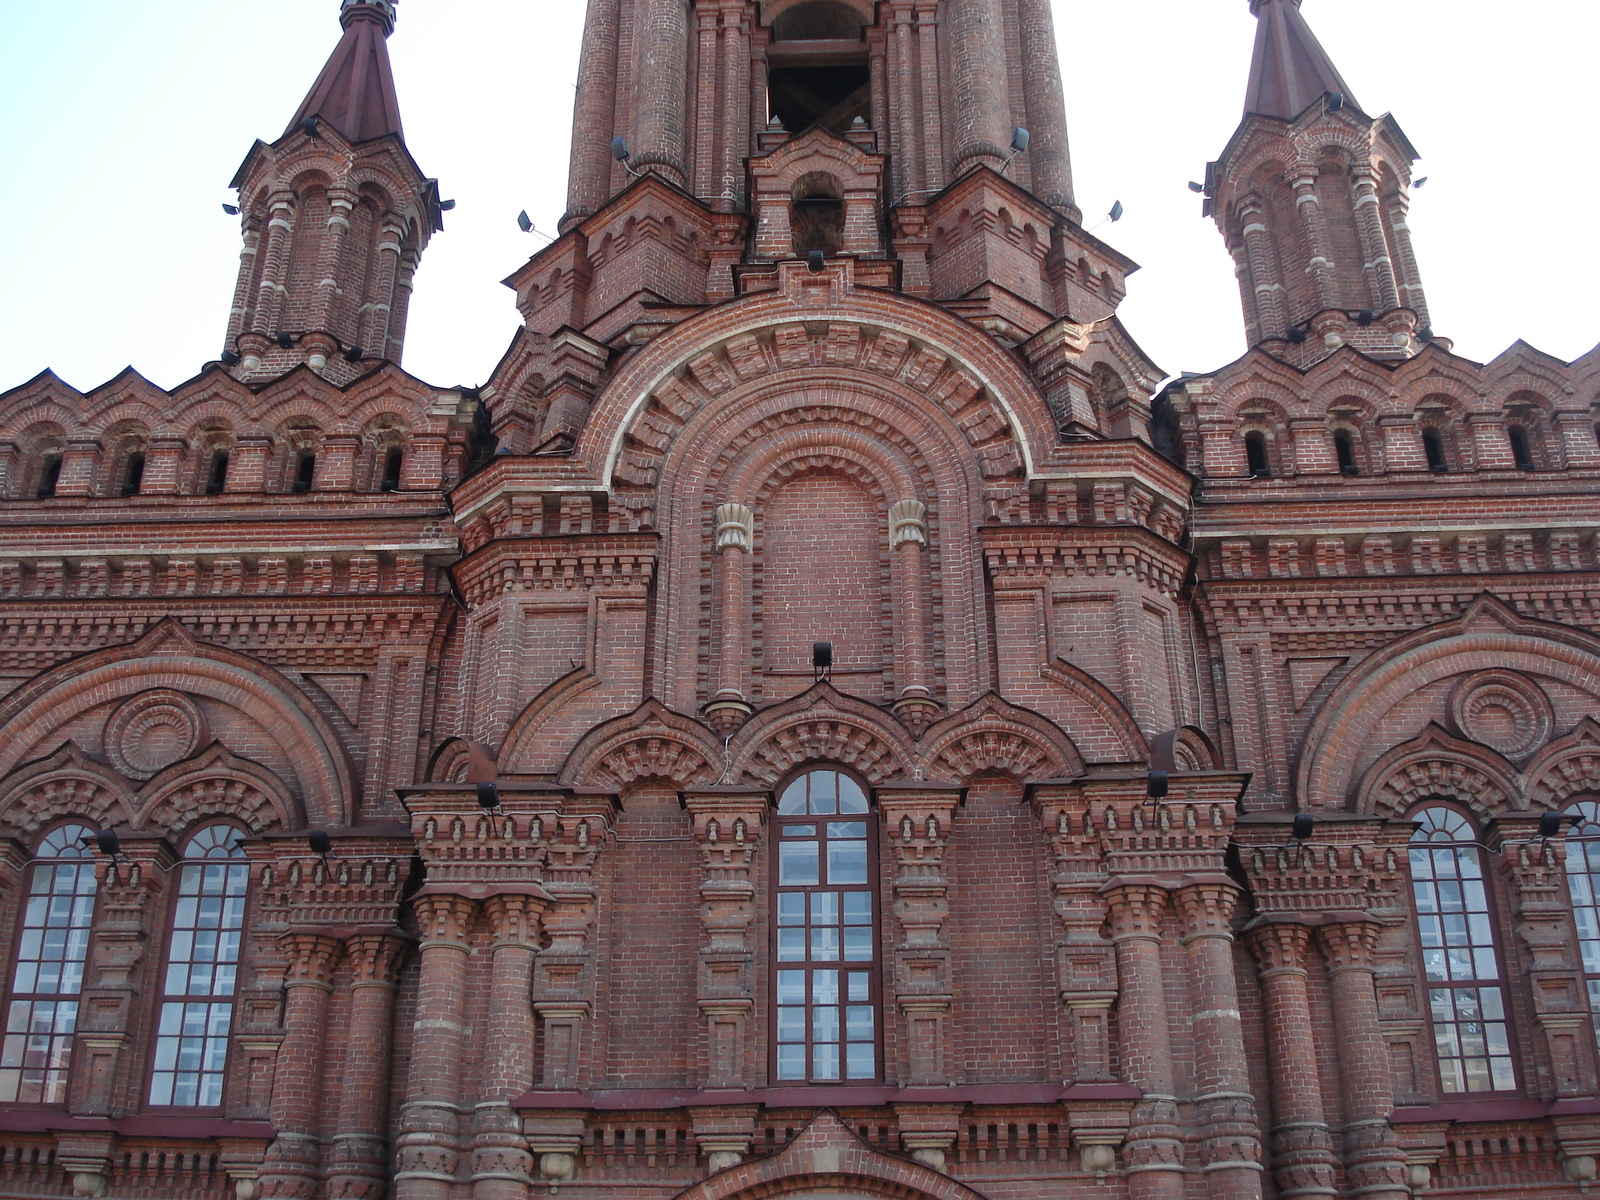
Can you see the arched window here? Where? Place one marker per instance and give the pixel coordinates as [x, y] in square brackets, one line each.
[825, 933]
[392, 464]
[1255, 454]
[1583, 882]
[1344, 446]
[1433, 447]
[202, 967]
[1459, 959]
[49, 476]
[133, 474]
[217, 478]
[1521, 450]
[305, 471]
[52, 945]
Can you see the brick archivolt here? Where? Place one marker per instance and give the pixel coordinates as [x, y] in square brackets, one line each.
[169, 658]
[1336, 742]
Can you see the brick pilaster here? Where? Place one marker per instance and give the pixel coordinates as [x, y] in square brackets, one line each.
[359, 1158]
[298, 1083]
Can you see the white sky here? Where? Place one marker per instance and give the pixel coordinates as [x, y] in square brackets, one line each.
[121, 122]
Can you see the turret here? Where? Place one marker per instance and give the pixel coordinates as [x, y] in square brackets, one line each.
[1311, 195]
[336, 215]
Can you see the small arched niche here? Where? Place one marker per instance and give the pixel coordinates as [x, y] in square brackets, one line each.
[816, 214]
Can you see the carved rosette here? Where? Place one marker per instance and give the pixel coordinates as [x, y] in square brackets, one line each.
[152, 731]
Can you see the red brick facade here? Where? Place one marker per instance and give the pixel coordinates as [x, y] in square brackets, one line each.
[857, 382]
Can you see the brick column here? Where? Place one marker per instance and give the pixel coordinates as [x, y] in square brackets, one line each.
[1154, 1150]
[734, 119]
[377, 306]
[1050, 164]
[727, 828]
[329, 300]
[275, 263]
[1373, 1162]
[430, 1117]
[662, 64]
[934, 172]
[1225, 1108]
[917, 823]
[1265, 295]
[978, 60]
[1380, 267]
[1314, 225]
[735, 537]
[298, 1082]
[908, 538]
[707, 76]
[1302, 1149]
[899, 61]
[501, 1162]
[360, 1157]
[589, 178]
[1408, 278]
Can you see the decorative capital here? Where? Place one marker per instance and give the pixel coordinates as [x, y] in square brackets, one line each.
[375, 958]
[1280, 946]
[1207, 908]
[514, 919]
[1136, 910]
[736, 528]
[1348, 945]
[444, 917]
[311, 959]
[908, 522]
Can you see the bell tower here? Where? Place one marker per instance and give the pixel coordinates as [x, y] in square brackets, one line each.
[692, 91]
[1311, 196]
[336, 215]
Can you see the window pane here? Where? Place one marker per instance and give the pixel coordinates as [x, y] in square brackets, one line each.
[791, 908]
[847, 862]
[797, 864]
[791, 987]
[791, 945]
[792, 1062]
[825, 987]
[860, 986]
[793, 801]
[825, 945]
[825, 1061]
[861, 1060]
[858, 945]
[791, 1024]
[824, 792]
[858, 908]
[851, 798]
[824, 908]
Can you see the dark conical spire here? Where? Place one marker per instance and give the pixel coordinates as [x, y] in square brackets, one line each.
[355, 92]
[1291, 70]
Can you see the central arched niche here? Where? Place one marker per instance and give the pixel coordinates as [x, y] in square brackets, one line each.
[820, 577]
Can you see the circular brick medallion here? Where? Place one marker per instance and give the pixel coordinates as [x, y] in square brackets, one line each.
[1503, 710]
[154, 730]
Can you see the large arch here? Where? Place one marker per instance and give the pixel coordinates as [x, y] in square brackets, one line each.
[1487, 632]
[169, 657]
[820, 725]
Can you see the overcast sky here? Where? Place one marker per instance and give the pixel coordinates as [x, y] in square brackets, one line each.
[121, 122]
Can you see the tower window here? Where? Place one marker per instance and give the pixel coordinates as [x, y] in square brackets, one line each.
[42, 1015]
[1459, 959]
[817, 68]
[202, 971]
[49, 476]
[133, 475]
[392, 464]
[305, 471]
[817, 215]
[217, 478]
[1344, 447]
[825, 937]
[1255, 454]
[1521, 452]
[1433, 447]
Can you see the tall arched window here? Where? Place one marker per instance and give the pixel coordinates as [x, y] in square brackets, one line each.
[825, 933]
[1433, 447]
[1521, 448]
[1459, 960]
[1255, 455]
[1583, 882]
[52, 945]
[202, 968]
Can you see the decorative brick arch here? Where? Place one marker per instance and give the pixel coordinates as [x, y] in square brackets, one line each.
[216, 783]
[820, 725]
[66, 784]
[652, 742]
[1438, 764]
[1488, 633]
[1103, 707]
[1186, 748]
[828, 1156]
[1567, 767]
[168, 656]
[996, 735]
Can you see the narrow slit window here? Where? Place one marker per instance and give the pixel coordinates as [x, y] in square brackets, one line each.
[825, 976]
[1460, 961]
[1255, 453]
[217, 477]
[1433, 447]
[196, 1016]
[305, 471]
[1344, 447]
[393, 462]
[133, 475]
[49, 476]
[52, 947]
[1521, 451]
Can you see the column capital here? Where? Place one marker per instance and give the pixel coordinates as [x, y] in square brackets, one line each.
[1348, 943]
[1136, 908]
[312, 957]
[375, 957]
[514, 918]
[1280, 945]
[444, 917]
[1206, 907]
[736, 527]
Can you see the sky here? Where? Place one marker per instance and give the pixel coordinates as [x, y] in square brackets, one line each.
[124, 121]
